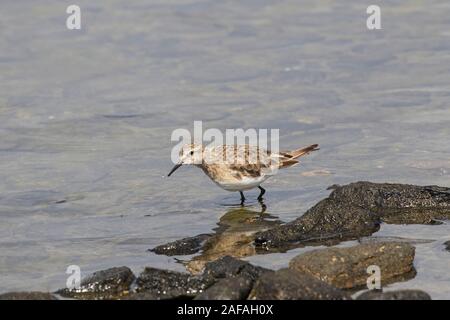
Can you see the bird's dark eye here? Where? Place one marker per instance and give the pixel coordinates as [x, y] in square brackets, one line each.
[192, 153]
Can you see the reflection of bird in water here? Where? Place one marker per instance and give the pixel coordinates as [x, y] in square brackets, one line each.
[233, 236]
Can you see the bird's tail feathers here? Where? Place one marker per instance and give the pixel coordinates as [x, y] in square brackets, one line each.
[294, 154]
[291, 156]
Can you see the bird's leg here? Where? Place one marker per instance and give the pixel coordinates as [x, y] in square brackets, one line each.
[242, 197]
[260, 197]
[263, 207]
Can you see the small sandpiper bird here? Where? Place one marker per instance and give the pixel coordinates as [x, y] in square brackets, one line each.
[239, 167]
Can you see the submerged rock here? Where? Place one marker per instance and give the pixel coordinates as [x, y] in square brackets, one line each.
[447, 245]
[166, 284]
[112, 283]
[347, 267]
[238, 244]
[232, 237]
[287, 284]
[235, 288]
[378, 239]
[394, 295]
[355, 210]
[32, 295]
[182, 247]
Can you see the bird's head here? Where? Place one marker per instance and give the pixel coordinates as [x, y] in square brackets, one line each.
[189, 154]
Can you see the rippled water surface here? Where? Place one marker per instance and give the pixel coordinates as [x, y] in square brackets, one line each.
[86, 118]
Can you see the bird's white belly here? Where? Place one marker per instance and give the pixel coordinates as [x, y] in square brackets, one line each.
[243, 184]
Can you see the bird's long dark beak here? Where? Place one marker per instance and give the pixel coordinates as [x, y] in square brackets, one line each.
[174, 168]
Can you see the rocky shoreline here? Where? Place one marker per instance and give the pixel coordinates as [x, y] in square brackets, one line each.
[351, 212]
[231, 279]
[356, 210]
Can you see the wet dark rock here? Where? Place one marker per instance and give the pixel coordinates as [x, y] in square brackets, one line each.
[142, 296]
[112, 283]
[398, 203]
[157, 284]
[347, 267]
[328, 222]
[394, 195]
[394, 295]
[165, 284]
[227, 267]
[33, 295]
[235, 288]
[182, 247]
[355, 210]
[235, 278]
[414, 216]
[447, 245]
[237, 275]
[287, 284]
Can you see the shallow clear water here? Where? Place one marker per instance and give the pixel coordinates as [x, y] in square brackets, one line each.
[86, 117]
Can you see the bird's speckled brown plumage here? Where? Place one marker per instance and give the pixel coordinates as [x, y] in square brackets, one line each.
[230, 164]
